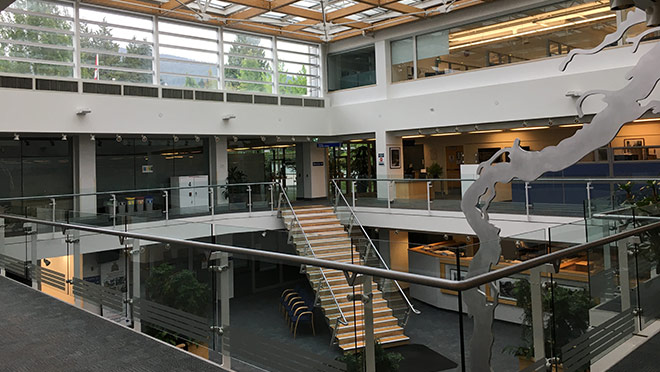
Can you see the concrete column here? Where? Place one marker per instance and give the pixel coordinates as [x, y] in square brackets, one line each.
[219, 165]
[385, 142]
[84, 165]
[136, 258]
[311, 171]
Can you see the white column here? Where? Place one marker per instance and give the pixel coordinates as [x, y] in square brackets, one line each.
[84, 157]
[312, 171]
[385, 143]
[219, 165]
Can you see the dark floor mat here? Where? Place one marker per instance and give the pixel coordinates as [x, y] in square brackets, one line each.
[642, 359]
[419, 358]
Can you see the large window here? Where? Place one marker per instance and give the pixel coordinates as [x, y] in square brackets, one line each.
[352, 69]
[189, 55]
[248, 62]
[534, 34]
[298, 68]
[115, 46]
[37, 38]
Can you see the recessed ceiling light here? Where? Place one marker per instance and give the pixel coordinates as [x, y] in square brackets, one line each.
[571, 125]
[414, 136]
[486, 131]
[445, 134]
[529, 128]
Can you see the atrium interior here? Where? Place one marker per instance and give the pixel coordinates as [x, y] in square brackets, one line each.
[330, 185]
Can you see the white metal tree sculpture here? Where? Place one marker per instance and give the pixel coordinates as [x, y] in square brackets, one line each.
[623, 106]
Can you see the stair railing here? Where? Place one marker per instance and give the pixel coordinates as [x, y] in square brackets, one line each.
[355, 222]
[308, 246]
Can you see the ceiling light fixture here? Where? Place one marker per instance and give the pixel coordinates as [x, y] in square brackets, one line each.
[83, 111]
[413, 136]
[263, 138]
[646, 120]
[118, 138]
[356, 140]
[175, 138]
[578, 125]
[486, 131]
[217, 139]
[144, 138]
[92, 137]
[197, 139]
[17, 137]
[228, 117]
[235, 139]
[528, 128]
[64, 137]
[445, 134]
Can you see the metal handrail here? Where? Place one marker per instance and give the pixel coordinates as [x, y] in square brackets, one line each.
[295, 217]
[371, 243]
[461, 285]
[60, 196]
[541, 180]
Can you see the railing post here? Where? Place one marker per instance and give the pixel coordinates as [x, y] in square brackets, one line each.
[589, 188]
[2, 244]
[135, 269]
[249, 190]
[52, 205]
[114, 210]
[353, 192]
[428, 196]
[389, 198]
[74, 239]
[272, 202]
[527, 205]
[369, 339]
[537, 308]
[31, 229]
[166, 195]
[212, 196]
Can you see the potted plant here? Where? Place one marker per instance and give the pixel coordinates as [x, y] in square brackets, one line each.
[385, 362]
[435, 171]
[565, 319]
[361, 166]
[235, 194]
[178, 289]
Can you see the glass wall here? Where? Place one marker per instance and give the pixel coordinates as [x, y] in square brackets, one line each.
[137, 164]
[352, 69]
[38, 38]
[534, 34]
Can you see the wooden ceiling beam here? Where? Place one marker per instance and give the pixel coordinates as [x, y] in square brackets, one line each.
[353, 9]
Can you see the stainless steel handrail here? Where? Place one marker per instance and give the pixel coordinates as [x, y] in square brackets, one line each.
[60, 196]
[309, 245]
[462, 285]
[371, 243]
[539, 180]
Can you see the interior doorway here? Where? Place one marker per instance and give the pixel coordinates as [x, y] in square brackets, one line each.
[454, 156]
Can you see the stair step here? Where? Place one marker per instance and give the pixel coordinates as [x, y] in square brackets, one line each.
[378, 332]
[384, 321]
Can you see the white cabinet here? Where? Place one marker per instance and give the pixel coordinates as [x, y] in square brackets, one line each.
[190, 200]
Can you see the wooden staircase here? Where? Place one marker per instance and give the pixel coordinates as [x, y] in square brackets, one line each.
[330, 241]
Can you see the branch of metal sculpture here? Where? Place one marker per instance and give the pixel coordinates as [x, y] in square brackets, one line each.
[622, 106]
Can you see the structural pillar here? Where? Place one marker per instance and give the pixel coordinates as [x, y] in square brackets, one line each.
[391, 149]
[311, 171]
[84, 155]
[219, 166]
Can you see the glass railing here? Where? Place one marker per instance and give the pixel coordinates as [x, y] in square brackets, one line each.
[566, 197]
[245, 297]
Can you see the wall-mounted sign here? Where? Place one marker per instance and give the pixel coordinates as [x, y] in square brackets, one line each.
[328, 144]
[147, 168]
[381, 158]
[317, 164]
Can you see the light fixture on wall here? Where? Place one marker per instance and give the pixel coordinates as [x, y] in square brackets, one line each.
[293, 139]
[64, 137]
[175, 138]
[144, 138]
[217, 139]
[118, 138]
[263, 138]
[228, 117]
[309, 139]
[235, 139]
[197, 139]
[278, 138]
[17, 137]
[263, 234]
[92, 137]
[83, 111]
